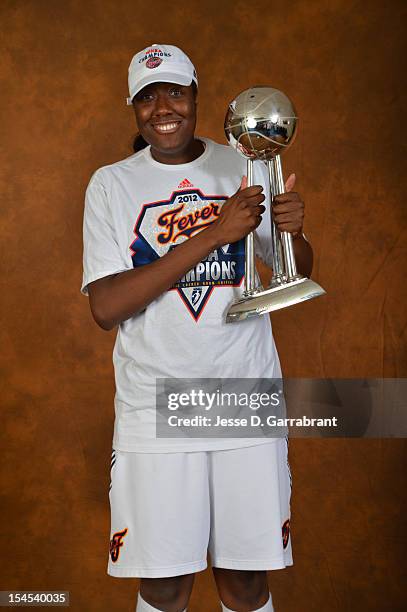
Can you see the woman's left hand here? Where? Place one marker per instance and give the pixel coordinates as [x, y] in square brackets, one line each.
[288, 209]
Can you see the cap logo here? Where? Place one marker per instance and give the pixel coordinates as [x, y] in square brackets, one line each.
[153, 62]
[151, 53]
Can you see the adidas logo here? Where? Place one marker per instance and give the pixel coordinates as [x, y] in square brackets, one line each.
[185, 183]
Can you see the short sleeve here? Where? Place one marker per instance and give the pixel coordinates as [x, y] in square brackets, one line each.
[262, 234]
[101, 251]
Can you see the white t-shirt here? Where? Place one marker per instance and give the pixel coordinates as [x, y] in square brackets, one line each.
[135, 211]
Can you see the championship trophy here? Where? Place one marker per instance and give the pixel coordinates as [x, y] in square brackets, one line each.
[260, 124]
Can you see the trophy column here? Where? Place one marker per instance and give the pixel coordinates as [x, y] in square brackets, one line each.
[250, 261]
[276, 172]
[278, 264]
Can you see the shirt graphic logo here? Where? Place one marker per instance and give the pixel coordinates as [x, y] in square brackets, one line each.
[177, 223]
[162, 226]
[116, 544]
[196, 294]
[184, 184]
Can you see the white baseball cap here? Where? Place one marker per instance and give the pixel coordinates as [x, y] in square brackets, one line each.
[159, 63]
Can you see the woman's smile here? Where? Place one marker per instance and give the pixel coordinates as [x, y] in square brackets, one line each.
[166, 127]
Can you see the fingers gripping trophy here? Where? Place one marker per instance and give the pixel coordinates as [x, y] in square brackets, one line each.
[261, 124]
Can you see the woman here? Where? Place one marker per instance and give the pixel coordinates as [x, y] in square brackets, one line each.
[163, 260]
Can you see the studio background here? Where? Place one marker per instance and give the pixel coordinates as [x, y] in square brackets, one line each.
[63, 82]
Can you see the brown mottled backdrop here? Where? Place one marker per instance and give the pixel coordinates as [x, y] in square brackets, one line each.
[63, 85]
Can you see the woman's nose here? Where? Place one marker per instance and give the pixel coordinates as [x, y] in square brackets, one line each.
[161, 106]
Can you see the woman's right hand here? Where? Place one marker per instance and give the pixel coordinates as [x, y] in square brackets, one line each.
[240, 214]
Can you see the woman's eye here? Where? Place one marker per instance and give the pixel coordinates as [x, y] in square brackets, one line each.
[176, 92]
[144, 97]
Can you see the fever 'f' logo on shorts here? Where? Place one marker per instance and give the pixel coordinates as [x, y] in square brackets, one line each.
[116, 543]
[286, 532]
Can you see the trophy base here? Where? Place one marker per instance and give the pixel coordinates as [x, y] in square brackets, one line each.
[274, 298]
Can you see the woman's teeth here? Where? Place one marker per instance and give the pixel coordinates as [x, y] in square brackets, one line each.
[166, 127]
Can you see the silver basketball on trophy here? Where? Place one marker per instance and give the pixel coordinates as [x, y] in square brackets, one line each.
[260, 123]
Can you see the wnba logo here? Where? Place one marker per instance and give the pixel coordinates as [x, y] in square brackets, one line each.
[116, 543]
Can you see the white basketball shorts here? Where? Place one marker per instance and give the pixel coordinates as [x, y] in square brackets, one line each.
[168, 510]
